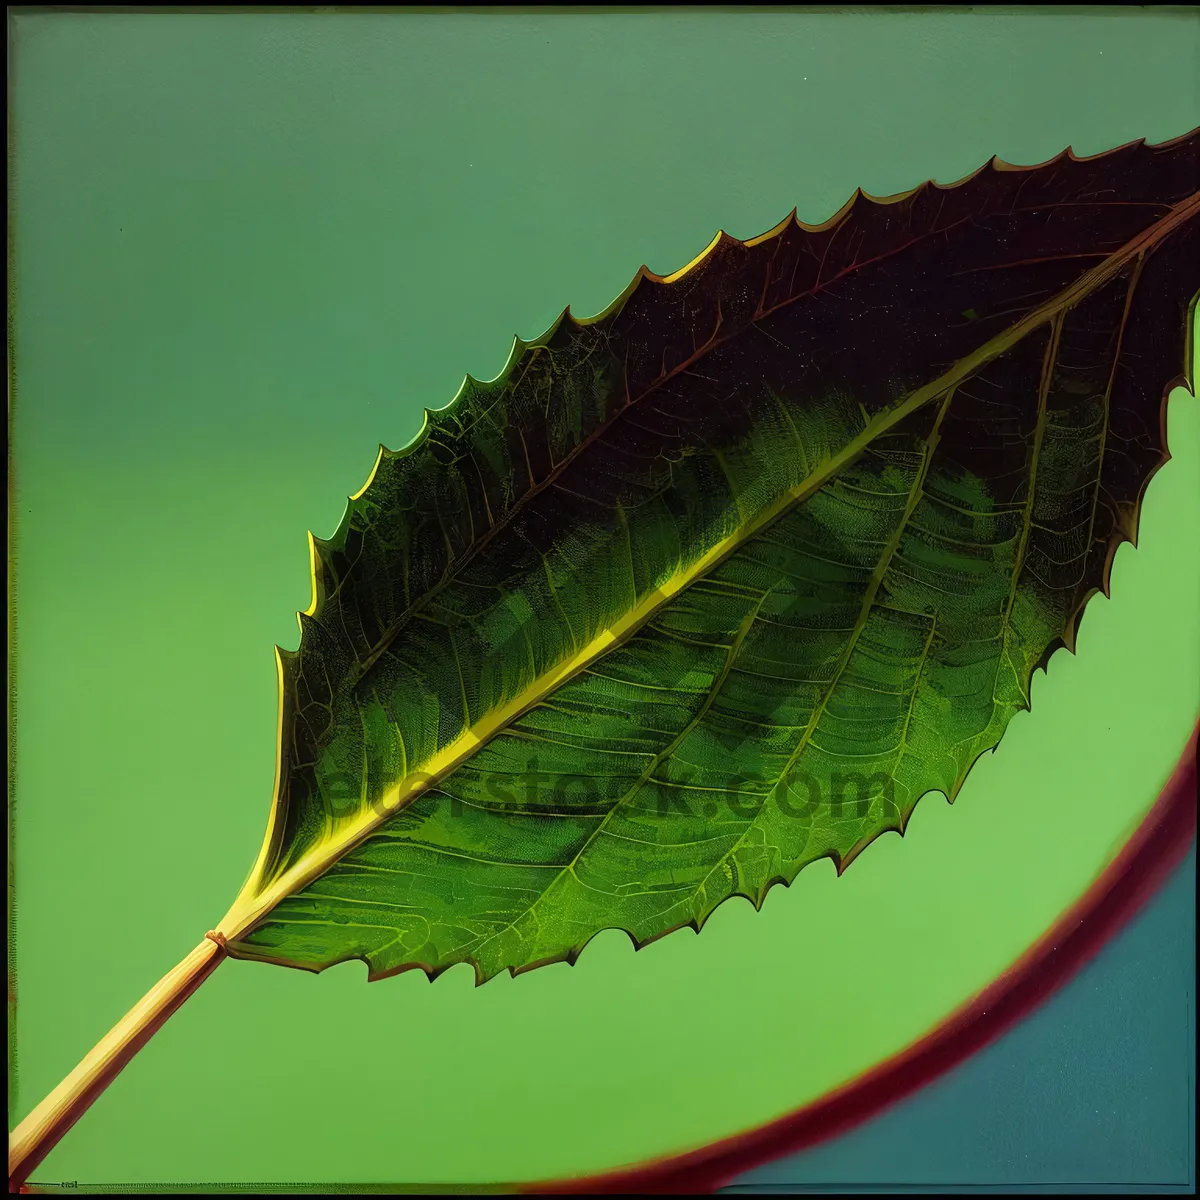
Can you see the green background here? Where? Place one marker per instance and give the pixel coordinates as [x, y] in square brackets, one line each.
[248, 249]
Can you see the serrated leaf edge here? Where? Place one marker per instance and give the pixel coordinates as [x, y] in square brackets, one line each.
[250, 907]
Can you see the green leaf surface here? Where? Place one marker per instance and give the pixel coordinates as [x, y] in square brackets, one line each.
[722, 581]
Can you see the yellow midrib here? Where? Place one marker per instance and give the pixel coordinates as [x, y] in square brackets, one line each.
[251, 906]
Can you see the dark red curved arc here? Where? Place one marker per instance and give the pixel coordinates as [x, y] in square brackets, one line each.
[1159, 844]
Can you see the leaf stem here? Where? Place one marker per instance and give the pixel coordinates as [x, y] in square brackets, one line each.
[38, 1134]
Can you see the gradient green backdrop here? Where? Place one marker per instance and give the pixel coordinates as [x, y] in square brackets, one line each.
[251, 247]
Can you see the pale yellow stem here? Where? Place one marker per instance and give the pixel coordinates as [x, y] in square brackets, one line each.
[38, 1134]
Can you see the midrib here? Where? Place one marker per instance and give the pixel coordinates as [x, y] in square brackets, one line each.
[249, 908]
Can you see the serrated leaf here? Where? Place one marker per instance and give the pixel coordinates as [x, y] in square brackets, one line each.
[722, 581]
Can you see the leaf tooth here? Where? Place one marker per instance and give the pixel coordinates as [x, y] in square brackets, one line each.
[481, 388]
[1183, 137]
[515, 354]
[721, 241]
[1130, 148]
[336, 544]
[697, 924]
[1071, 632]
[431, 972]
[434, 973]
[573, 322]
[861, 200]
[837, 218]
[324, 576]
[416, 441]
[995, 163]
[640, 943]
[437, 417]
[308, 624]
[546, 338]
[383, 456]
[649, 276]
[864, 200]
[287, 656]
[895, 197]
[772, 882]
[316, 580]
[841, 863]
[641, 275]
[775, 231]
[288, 666]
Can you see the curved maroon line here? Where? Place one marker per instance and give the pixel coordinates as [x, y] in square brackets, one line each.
[1160, 842]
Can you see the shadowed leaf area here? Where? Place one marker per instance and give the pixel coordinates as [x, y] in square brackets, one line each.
[722, 581]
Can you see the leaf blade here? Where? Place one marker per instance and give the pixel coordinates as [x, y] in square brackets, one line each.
[354, 851]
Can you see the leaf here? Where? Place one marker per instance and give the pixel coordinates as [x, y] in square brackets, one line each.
[722, 581]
